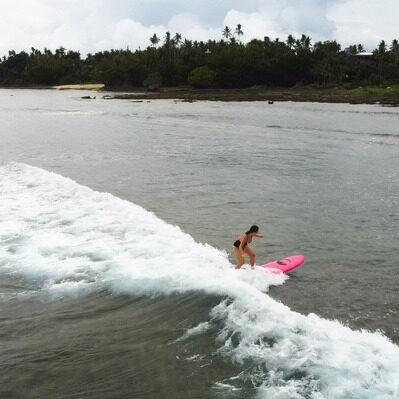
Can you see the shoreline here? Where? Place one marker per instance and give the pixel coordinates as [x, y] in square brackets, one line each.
[387, 96]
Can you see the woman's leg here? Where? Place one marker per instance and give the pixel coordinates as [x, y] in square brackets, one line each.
[240, 257]
[249, 252]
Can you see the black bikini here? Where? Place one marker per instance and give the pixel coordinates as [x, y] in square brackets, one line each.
[237, 244]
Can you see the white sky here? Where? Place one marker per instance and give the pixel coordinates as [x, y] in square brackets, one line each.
[96, 25]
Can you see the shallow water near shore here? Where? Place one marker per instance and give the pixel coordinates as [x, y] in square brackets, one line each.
[116, 232]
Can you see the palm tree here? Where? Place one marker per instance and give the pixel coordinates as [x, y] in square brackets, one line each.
[382, 47]
[188, 43]
[176, 42]
[353, 49]
[381, 52]
[60, 52]
[151, 59]
[239, 31]
[168, 44]
[177, 38]
[395, 50]
[155, 40]
[226, 32]
[290, 41]
[167, 39]
[306, 41]
[360, 48]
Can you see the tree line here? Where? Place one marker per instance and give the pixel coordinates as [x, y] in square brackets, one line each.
[224, 63]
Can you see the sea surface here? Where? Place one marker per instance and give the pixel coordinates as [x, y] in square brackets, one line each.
[117, 276]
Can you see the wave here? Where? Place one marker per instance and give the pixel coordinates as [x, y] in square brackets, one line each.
[67, 239]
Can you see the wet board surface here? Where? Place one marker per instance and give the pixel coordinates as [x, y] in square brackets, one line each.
[286, 264]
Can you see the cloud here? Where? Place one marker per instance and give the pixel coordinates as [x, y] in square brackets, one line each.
[39, 24]
[190, 26]
[311, 18]
[254, 25]
[365, 21]
[95, 25]
[281, 18]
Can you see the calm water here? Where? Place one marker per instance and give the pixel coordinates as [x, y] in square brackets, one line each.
[100, 298]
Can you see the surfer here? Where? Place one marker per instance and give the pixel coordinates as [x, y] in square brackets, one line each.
[241, 246]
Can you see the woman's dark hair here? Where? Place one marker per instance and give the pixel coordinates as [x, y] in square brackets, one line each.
[253, 229]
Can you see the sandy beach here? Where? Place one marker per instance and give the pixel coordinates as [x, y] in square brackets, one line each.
[89, 86]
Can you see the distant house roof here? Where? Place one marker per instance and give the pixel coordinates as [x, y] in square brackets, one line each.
[348, 52]
[360, 55]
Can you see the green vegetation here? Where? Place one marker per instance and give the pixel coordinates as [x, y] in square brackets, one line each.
[224, 64]
[202, 77]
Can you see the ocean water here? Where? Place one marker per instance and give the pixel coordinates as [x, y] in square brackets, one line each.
[116, 271]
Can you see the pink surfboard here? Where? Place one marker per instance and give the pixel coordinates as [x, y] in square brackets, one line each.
[286, 264]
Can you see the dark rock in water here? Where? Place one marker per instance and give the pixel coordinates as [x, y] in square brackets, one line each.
[86, 97]
[137, 101]
[388, 104]
[271, 102]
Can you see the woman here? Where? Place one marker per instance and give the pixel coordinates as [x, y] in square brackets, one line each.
[241, 246]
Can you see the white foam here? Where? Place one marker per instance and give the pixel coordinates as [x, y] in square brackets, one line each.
[71, 240]
[197, 330]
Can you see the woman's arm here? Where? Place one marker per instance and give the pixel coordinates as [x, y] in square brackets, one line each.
[259, 235]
